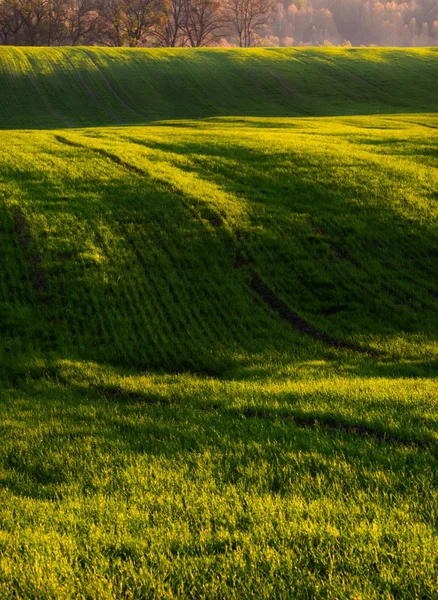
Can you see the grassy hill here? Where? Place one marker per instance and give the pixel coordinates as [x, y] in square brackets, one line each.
[218, 335]
[59, 87]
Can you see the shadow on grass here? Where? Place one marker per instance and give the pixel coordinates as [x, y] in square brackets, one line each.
[325, 244]
[54, 424]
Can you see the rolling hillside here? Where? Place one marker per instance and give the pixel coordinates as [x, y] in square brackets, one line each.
[64, 87]
[218, 323]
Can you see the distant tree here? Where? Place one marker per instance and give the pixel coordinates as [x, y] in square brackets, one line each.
[129, 22]
[209, 22]
[82, 22]
[34, 15]
[249, 17]
[11, 21]
[53, 30]
[170, 30]
[205, 22]
[280, 22]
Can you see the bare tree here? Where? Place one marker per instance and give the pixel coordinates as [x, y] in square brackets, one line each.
[205, 21]
[249, 17]
[170, 31]
[34, 15]
[11, 21]
[81, 22]
[53, 31]
[129, 22]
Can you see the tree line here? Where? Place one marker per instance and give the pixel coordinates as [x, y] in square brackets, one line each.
[196, 23]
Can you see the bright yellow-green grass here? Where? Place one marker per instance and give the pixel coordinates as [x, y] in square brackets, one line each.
[218, 337]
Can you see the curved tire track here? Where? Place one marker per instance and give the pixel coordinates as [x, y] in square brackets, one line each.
[332, 423]
[297, 322]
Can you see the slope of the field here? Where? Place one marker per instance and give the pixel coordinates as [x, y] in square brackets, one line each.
[218, 336]
[65, 87]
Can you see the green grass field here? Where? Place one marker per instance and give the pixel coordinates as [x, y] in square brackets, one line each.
[219, 318]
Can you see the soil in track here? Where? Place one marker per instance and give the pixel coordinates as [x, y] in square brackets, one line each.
[297, 322]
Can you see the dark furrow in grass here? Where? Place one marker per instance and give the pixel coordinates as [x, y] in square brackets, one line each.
[116, 159]
[46, 102]
[91, 57]
[427, 125]
[198, 208]
[91, 94]
[297, 322]
[293, 92]
[334, 424]
[343, 255]
[31, 255]
[300, 324]
[116, 393]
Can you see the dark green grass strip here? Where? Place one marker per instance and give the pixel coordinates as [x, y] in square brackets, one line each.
[116, 159]
[33, 259]
[92, 95]
[91, 55]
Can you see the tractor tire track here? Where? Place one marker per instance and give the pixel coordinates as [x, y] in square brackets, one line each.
[113, 157]
[297, 322]
[54, 114]
[299, 96]
[335, 424]
[92, 95]
[111, 87]
[205, 212]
